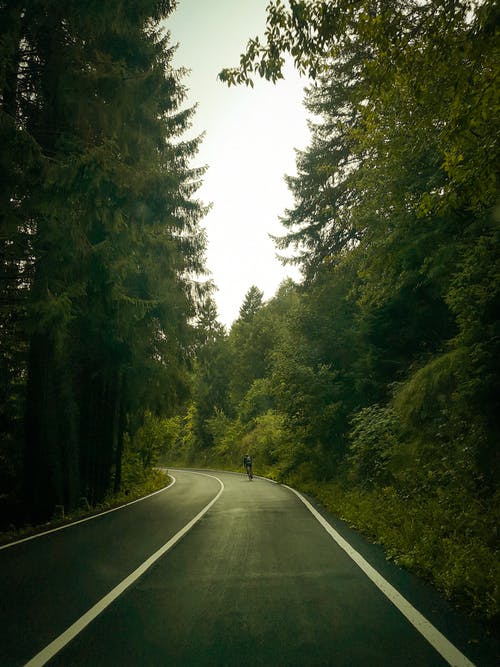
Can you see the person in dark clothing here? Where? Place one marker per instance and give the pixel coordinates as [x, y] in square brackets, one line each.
[247, 462]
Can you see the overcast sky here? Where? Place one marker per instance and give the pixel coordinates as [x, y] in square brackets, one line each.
[250, 137]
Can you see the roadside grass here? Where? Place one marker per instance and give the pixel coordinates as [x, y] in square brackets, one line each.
[447, 541]
[154, 480]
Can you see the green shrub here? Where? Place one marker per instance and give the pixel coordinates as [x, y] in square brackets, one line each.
[372, 439]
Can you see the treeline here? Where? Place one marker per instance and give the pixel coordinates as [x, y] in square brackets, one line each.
[375, 381]
[100, 246]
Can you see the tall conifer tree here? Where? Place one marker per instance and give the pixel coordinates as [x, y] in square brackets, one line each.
[108, 228]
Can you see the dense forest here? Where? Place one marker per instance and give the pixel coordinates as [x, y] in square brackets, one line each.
[373, 382]
[102, 252]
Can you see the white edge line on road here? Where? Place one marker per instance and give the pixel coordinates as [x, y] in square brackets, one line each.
[70, 633]
[88, 518]
[439, 642]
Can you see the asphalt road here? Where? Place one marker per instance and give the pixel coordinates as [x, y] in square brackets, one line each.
[257, 580]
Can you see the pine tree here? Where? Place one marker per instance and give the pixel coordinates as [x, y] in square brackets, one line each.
[109, 230]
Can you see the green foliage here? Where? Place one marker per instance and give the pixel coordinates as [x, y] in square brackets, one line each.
[137, 483]
[448, 537]
[251, 304]
[101, 249]
[153, 437]
[227, 434]
[211, 373]
[374, 435]
[250, 343]
[273, 446]
[258, 400]
[268, 438]
[420, 400]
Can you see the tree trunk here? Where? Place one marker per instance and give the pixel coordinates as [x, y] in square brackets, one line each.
[11, 21]
[51, 455]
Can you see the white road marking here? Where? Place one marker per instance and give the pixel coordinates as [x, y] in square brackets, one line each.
[88, 518]
[442, 645]
[70, 633]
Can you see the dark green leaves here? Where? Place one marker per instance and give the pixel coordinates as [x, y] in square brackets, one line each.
[101, 241]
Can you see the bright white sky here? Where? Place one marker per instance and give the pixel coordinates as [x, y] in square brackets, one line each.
[250, 137]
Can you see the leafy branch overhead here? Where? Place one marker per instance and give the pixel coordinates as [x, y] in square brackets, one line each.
[313, 31]
[306, 31]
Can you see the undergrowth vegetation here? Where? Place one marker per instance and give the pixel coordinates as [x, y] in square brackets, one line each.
[442, 532]
[446, 539]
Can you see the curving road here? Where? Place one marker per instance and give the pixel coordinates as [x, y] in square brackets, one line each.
[217, 570]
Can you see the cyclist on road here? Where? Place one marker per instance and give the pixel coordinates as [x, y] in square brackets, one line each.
[247, 462]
